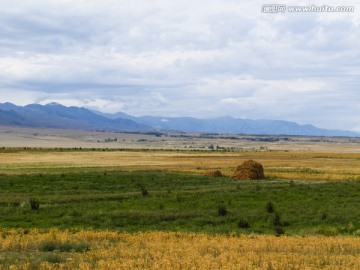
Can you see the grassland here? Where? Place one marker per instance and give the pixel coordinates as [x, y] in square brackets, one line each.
[143, 201]
[117, 209]
[34, 249]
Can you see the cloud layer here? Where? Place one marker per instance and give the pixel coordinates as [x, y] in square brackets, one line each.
[184, 58]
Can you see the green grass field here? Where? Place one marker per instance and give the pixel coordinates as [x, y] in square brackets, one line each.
[158, 200]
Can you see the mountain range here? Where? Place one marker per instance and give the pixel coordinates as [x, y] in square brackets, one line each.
[54, 115]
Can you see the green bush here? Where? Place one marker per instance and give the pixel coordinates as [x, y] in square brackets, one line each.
[270, 207]
[222, 211]
[34, 204]
[244, 224]
[144, 192]
[68, 246]
[81, 247]
[279, 231]
[53, 258]
[277, 220]
[48, 246]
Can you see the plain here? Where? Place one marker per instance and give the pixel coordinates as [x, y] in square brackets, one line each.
[155, 209]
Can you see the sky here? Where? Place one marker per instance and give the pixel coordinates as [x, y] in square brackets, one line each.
[199, 58]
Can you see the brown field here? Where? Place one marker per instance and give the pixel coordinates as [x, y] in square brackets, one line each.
[157, 250]
[282, 165]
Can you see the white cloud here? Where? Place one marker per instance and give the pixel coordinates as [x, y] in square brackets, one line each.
[175, 58]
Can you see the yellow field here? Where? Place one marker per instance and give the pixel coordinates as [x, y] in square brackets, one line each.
[282, 165]
[157, 250]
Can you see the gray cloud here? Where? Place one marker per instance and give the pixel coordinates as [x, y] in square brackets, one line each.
[183, 58]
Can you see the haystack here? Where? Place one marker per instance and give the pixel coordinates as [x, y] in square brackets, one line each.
[215, 173]
[249, 170]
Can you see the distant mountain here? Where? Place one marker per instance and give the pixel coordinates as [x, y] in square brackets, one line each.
[54, 115]
[229, 124]
[115, 115]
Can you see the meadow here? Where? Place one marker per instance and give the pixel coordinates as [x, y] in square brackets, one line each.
[134, 209]
[144, 200]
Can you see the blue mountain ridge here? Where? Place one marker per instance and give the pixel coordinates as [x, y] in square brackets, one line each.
[54, 115]
[230, 125]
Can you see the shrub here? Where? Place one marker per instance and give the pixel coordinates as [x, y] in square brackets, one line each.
[222, 211]
[144, 191]
[244, 224]
[34, 204]
[279, 231]
[53, 258]
[82, 247]
[270, 207]
[277, 220]
[77, 247]
[286, 223]
[48, 246]
[66, 246]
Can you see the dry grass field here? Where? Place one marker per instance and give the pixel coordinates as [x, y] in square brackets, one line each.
[156, 250]
[280, 165]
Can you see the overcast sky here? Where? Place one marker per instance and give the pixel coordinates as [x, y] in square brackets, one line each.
[201, 58]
